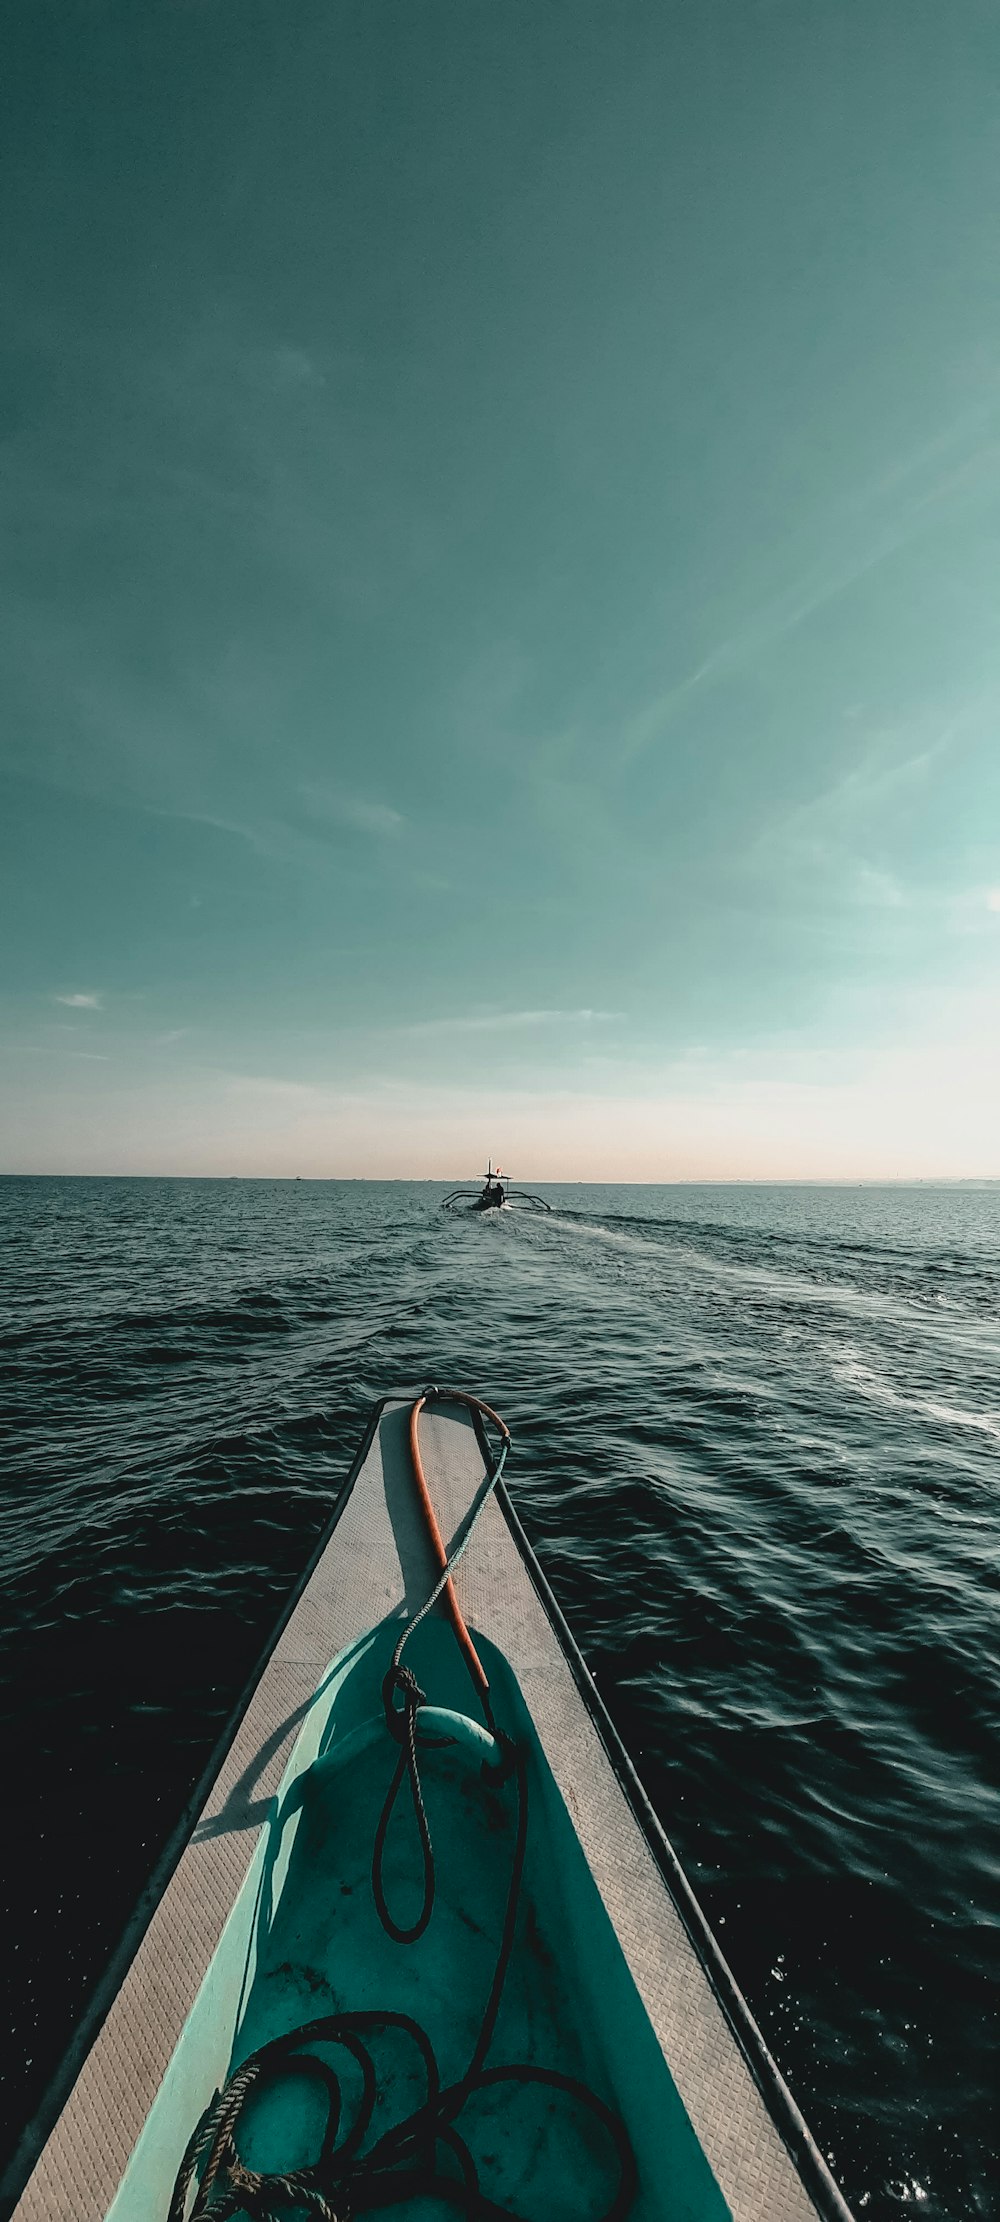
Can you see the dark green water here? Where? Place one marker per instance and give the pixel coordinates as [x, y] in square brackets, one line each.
[757, 1445]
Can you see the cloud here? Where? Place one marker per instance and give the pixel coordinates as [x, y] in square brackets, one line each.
[302, 1092]
[880, 890]
[352, 811]
[80, 1002]
[890, 763]
[764, 628]
[837, 837]
[256, 836]
[282, 369]
[298, 835]
[993, 898]
[910, 497]
[490, 1022]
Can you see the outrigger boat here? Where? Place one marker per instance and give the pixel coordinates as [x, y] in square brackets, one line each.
[426, 1947]
[493, 1196]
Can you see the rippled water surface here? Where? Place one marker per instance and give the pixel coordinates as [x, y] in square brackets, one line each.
[757, 1446]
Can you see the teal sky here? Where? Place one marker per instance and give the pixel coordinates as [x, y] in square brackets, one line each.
[500, 547]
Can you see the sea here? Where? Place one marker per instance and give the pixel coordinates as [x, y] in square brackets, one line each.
[757, 1449]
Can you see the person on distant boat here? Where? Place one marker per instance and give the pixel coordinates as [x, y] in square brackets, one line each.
[498, 1193]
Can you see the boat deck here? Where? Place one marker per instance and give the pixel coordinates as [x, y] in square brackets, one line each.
[374, 1562]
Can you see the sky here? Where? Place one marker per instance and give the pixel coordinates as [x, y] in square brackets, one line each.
[500, 570]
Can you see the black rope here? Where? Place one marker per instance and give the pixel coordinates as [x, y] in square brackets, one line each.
[407, 2161]
[405, 1727]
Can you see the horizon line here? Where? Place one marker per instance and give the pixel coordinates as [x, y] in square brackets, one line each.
[442, 1180]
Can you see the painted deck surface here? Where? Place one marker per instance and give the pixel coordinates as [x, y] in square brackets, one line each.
[376, 1564]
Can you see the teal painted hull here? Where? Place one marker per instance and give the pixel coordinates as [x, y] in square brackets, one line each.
[304, 1941]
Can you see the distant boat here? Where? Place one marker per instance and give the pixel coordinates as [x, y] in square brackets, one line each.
[427, 1948]
[493, 1196]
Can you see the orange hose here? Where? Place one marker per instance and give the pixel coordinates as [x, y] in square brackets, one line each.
[471, 1655]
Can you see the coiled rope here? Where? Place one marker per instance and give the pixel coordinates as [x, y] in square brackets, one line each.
[407, 2161]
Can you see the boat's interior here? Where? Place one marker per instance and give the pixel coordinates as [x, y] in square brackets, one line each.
[587, 2124]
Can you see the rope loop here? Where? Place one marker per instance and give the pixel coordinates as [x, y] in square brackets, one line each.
[403, 1679]
[402, 1722]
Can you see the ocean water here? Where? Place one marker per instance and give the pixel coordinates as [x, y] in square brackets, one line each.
[757, 1446]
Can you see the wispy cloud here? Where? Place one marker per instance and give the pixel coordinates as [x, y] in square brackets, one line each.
[56, 1049]
[492, 1022]
[252, 1084]
[890, 764]
[255, 835]
[80, 1002]
[352, 811]
[955, 462]
[299, 830]
[763, 629]
[837, 836]
[877, 889]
